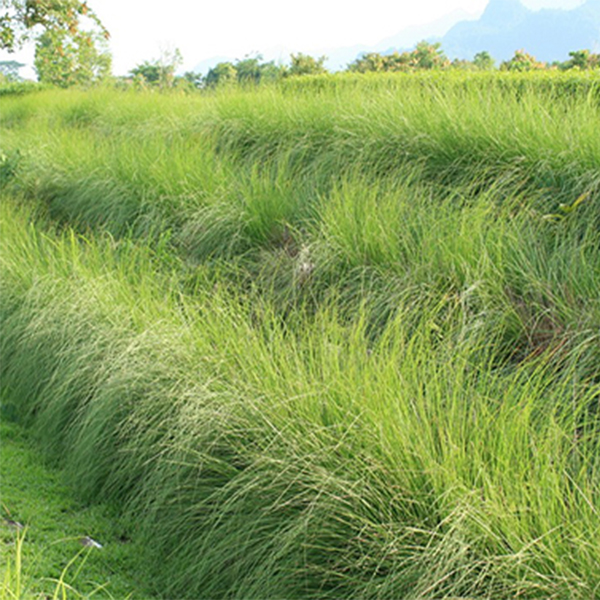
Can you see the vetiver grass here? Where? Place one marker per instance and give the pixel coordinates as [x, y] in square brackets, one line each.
[308, 363]
[310, 460]
[123, 159]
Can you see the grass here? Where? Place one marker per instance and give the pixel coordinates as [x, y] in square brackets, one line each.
[315, 343]
[43, 554]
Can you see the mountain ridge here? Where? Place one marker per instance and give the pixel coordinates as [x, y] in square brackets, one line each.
[507, 25]
[504, 27]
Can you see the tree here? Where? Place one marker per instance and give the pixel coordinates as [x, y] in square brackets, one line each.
[371, 62]
[582, 59]
[522, 61]
[159, 72]
[10, 69]
[248, 69]
[66, 59]
[194, 79]
[20, 20]
[70, 39]
[484, 61]
[251, 70]
[303, 64]
[221, 74]
[461, 64]
[424, 56]
[147, 73]
[429, 56]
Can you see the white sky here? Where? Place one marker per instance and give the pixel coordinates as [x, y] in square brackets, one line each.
[233, 28]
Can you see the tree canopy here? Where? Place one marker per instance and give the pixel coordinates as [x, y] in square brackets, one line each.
[304, 64]
[70, 41]
[159, 72]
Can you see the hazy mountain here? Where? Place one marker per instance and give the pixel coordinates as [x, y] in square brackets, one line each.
[507, 25]
[504, 26]
[408, 37]
[338, 58]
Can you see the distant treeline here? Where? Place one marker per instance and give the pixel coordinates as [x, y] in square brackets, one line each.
[423, 57]
[161, 73]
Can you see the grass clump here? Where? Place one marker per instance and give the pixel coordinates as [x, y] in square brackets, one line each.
[316, 343]
[305, 457]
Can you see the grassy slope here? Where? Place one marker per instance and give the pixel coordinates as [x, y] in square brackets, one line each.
[54, 525]
[421, 424]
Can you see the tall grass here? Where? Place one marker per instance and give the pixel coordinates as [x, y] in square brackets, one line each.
[316, 345]
[260, 459]
[118, 158]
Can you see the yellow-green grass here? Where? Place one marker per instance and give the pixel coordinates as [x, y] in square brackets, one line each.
[304, 458]
[317, 340]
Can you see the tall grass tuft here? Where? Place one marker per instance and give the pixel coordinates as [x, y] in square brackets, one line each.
[261, 457]
[329, 339]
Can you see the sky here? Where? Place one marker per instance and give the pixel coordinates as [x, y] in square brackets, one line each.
[142, 30]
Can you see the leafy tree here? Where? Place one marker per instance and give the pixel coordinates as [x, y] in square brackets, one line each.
[194, 79]
[484, 61]
[146, 73]
[461, 64]
[303, 64]
[20, 20]
[399, 62]
[248, 69]
[10, 69]
[424, 56]
[429, 56]
[223, 73]
[522, 61]
[70, 39]
[269, 71]
[582, 59]
[251, 70]
[169, 61]
[65, 59]
[158, 72]
[371, 62]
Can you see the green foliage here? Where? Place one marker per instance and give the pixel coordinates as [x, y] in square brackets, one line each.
[304, 64]
[224, 73]
[65, 59]
[148, 72]
[247, 71]
[425, 56]
[429, 56]
[70, 39]
[250, 70]
[522, 62]
[318, 339]
[21, 18]
[583, 60]
[160, 72]
[196, 80]
[371, 62]
[484, 61]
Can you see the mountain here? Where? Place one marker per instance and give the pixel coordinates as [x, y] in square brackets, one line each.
[504, 26]
[339, 58]
[507, 25]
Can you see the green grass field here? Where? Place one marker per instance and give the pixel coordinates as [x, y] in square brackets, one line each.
[43, 530]
[334, 338]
